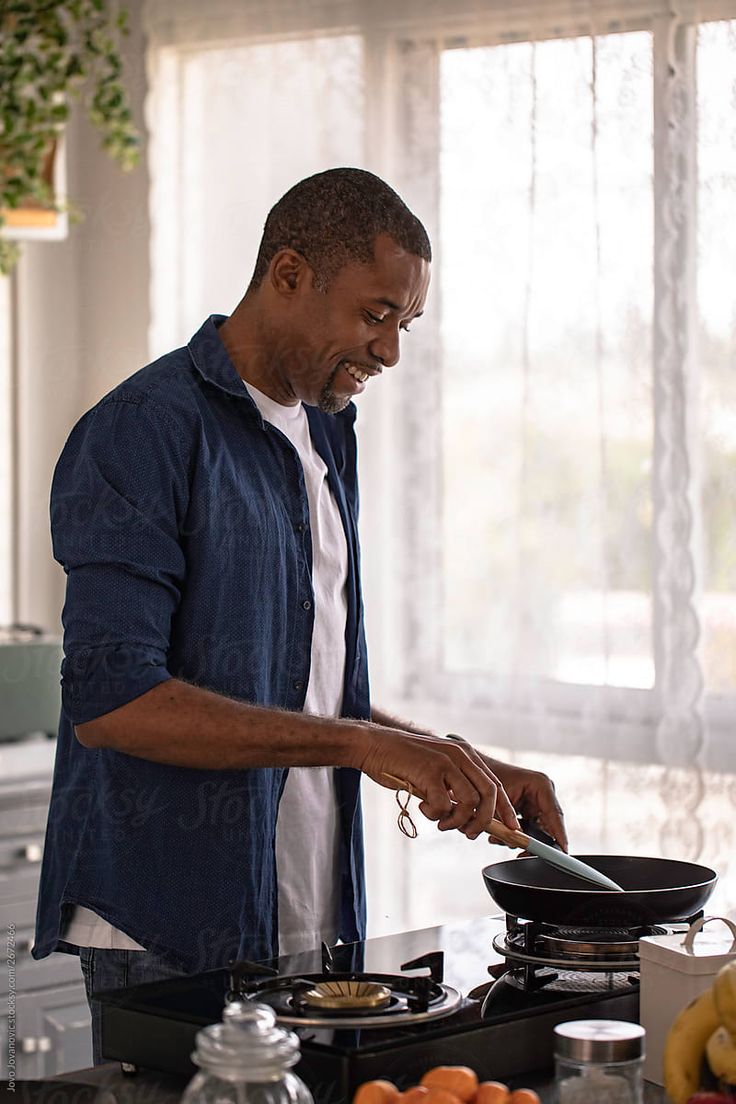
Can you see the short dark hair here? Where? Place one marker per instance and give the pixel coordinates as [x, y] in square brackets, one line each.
[333, 218]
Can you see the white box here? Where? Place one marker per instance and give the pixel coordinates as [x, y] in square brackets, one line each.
[674, 970]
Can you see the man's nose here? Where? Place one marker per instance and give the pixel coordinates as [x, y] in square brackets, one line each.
[385, 348]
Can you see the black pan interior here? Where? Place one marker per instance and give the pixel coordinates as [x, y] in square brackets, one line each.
[632, 872]
[655, 890]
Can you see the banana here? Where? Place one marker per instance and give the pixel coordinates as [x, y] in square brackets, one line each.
[684, 1048]
[724, 989]
[721, 1051]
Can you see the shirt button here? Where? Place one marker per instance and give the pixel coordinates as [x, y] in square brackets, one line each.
[298, 684]
[300, 527]
[306, 604]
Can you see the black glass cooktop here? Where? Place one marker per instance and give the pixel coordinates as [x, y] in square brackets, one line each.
[501, 1035]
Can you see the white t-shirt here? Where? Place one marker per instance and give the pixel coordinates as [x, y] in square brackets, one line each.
[307, 828]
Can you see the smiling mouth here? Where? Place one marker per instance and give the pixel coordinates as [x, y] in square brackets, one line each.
[358, 372]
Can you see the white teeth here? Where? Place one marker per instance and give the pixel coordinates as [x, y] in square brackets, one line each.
[358, 373]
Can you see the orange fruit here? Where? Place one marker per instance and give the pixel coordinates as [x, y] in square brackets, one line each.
[436, 1095]
[417, 1095]
[459, 1080]
[377, 1092]
[492, 1092]
[524, 1096]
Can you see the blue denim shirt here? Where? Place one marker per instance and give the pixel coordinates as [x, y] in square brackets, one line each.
[181, 520]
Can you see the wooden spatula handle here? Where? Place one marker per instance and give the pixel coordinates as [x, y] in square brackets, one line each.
[514, 837]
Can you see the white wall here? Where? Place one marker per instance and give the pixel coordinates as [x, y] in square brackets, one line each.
[82, 325]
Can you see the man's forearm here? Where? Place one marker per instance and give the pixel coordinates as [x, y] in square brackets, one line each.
[386, 720]
[188, 726]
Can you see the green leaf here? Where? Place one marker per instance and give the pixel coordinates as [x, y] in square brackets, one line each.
[57, 47]
[74, 67]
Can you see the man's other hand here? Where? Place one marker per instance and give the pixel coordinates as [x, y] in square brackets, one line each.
[533, 796]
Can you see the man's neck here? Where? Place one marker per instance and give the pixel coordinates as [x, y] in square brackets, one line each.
[252, 353]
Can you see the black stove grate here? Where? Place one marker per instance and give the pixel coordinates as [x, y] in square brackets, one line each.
[411, 994]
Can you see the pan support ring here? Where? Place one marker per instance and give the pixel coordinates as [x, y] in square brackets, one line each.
[588, 963]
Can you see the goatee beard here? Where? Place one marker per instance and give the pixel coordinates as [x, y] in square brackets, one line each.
[329, 402]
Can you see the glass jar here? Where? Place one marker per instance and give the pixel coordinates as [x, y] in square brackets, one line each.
[246, 1059]
[599, 1062]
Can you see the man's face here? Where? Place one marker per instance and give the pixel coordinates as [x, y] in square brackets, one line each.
[349, 333]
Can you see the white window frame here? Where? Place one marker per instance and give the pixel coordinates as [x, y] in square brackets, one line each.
[609, 722]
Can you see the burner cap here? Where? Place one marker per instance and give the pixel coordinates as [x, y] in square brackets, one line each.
[347, 995]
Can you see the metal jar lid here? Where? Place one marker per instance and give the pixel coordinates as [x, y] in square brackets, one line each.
[599, 1041]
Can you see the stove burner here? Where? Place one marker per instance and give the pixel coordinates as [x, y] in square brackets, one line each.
[354, 999]
[571, 958]
[347, 995]
[532, 941]
[605, 945]
[404, 1004]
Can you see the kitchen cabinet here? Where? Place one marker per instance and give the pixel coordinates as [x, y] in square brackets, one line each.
[53, 1032]
[52, 1017]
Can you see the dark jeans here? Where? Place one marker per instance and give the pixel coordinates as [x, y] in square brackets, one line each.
[105, 969]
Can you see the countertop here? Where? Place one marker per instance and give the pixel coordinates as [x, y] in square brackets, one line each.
[107, 1085]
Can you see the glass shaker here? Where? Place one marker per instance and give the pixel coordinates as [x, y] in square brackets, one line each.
[599, 1062]
[246, 1059]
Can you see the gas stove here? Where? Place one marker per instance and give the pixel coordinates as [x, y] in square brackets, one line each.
[485, 993]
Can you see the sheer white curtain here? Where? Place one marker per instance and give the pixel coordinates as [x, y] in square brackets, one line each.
[227, 141]
[547, 478]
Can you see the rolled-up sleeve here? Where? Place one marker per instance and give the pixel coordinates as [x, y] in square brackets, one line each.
[118, 498]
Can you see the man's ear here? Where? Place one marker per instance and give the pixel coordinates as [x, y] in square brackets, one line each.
[287, 271]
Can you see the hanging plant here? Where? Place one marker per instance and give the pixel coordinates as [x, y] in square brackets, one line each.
[49, 51]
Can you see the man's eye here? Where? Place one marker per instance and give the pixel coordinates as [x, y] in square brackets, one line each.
[374, 319]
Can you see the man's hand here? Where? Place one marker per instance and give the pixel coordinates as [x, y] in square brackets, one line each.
[459, 787]
[533, 796]
[530, 793]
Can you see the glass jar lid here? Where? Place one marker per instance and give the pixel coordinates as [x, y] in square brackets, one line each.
[247, 1044]
[599, 1041]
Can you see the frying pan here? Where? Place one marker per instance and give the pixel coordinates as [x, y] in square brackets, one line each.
[656, 891]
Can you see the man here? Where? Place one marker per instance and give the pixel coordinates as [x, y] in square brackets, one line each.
[216, 716]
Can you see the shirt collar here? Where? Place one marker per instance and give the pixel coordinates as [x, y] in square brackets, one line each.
[210, 358]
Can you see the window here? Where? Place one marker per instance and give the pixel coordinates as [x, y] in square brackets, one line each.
[570, 513]
[584, 417]
[546, 291]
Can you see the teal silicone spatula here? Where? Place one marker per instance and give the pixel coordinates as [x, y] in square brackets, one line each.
[514, 837]
[552, 856]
